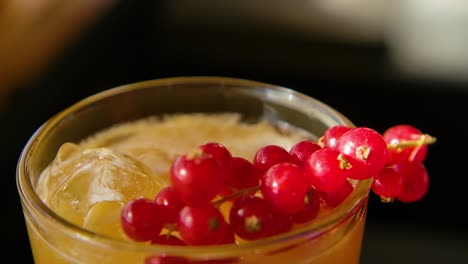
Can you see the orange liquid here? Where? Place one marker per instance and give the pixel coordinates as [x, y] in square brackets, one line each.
[52, 243]
[342, 245]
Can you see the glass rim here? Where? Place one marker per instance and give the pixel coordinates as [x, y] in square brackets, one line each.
[31, 200]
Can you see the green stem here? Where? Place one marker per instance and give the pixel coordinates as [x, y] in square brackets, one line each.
[424, 139]
[236, 194]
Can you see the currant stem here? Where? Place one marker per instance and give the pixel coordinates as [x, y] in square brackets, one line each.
[236, 194]
[387, 199]
[424, 139]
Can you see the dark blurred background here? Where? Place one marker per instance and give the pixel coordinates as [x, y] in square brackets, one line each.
[379, 63]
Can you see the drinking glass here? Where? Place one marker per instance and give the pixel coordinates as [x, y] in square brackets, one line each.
[336, 238]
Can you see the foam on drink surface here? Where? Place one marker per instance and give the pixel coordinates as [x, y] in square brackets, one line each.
[88, 183]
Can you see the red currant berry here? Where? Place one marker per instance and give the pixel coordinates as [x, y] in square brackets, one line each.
[250, 218]
[331, 135]
[219, 152]
[141, 219]
[201, 225]
[415, 181]
[311, 207]
[284, 187]
[197, 177]
[281, 224]
[336, 197]
[170, 203]
[229, 237]
[366, 146]
[328, 169]
[388, 183]
[242, 174]
[268, 156]
[301, 151]
[398, 133]
[226, 190]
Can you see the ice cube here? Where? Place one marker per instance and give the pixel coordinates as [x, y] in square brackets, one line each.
[104, 218]
[155, 159]
[78, 178]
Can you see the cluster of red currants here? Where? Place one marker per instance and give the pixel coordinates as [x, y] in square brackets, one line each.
[404, 177]
[279, 188]
[394, 159]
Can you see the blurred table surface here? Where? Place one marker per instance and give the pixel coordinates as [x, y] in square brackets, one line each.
[133, 42]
